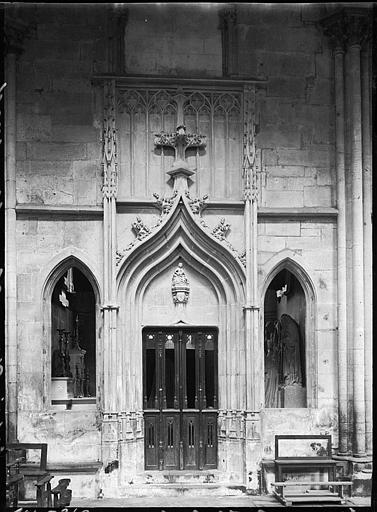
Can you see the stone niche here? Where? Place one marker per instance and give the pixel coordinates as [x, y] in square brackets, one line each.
[201, 308]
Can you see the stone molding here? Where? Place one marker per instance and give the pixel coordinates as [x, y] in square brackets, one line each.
[144, 232]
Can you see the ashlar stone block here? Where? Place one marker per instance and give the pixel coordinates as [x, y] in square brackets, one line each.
[55, 151]
[318, 196]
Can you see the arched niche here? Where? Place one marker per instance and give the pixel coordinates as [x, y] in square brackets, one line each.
[289, 340]
[70, 322]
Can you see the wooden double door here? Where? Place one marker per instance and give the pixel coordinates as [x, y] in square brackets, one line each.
[180, 398]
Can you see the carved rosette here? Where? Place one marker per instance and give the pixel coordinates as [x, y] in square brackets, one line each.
[110, 165]
[180, 287]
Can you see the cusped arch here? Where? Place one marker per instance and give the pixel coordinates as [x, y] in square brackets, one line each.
[311, 349]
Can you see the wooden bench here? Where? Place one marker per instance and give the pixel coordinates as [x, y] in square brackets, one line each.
[289, 497]
[297, 454]
[35, 472]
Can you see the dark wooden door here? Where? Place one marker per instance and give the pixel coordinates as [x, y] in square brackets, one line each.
[180, 398]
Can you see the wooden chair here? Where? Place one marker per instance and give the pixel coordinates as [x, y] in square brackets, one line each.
[62, 495]
[13, 479]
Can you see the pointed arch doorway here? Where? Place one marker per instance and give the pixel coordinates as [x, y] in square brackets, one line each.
[180, 398]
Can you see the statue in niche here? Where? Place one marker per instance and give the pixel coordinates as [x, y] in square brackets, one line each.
[180, 286]
[291, 351]
[272, 364]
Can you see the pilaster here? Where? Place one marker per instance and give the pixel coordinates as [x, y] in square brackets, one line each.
[14, 35]
[253, 347]
[112, 369]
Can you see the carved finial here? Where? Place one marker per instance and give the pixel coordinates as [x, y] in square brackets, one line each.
[221, 230]
[180, 287]
[180, 141]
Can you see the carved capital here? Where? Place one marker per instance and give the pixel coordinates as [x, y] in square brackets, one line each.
[347, 27]
[227, 17]
[357, 27]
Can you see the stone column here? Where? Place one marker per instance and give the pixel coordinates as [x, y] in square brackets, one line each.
[367, 214]
[356, 29]
[350, 27]
[254, 363]
[334, 28]
[341, 247]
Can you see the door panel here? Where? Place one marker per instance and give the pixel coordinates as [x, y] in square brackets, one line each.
[190, 440]
[171, 435]
[180, 398]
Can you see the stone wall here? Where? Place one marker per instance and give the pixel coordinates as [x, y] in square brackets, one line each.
[59, 164]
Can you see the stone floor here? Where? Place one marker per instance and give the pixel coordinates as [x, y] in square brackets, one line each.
[199, 501]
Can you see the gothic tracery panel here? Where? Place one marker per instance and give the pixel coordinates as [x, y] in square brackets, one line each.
[146, 111]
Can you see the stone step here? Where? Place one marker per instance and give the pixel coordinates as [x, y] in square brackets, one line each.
[183, 477]
[187, 490]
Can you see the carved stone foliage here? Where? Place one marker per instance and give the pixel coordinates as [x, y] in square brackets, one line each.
[180, 287]
[221, 230]
[164, 204]
[110, 165]
[197, 205]
[141, 230]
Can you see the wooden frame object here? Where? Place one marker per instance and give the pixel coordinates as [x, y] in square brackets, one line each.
[302, 446]
[295, 453]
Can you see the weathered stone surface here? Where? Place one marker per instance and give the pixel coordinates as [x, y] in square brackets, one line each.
[56, 151]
